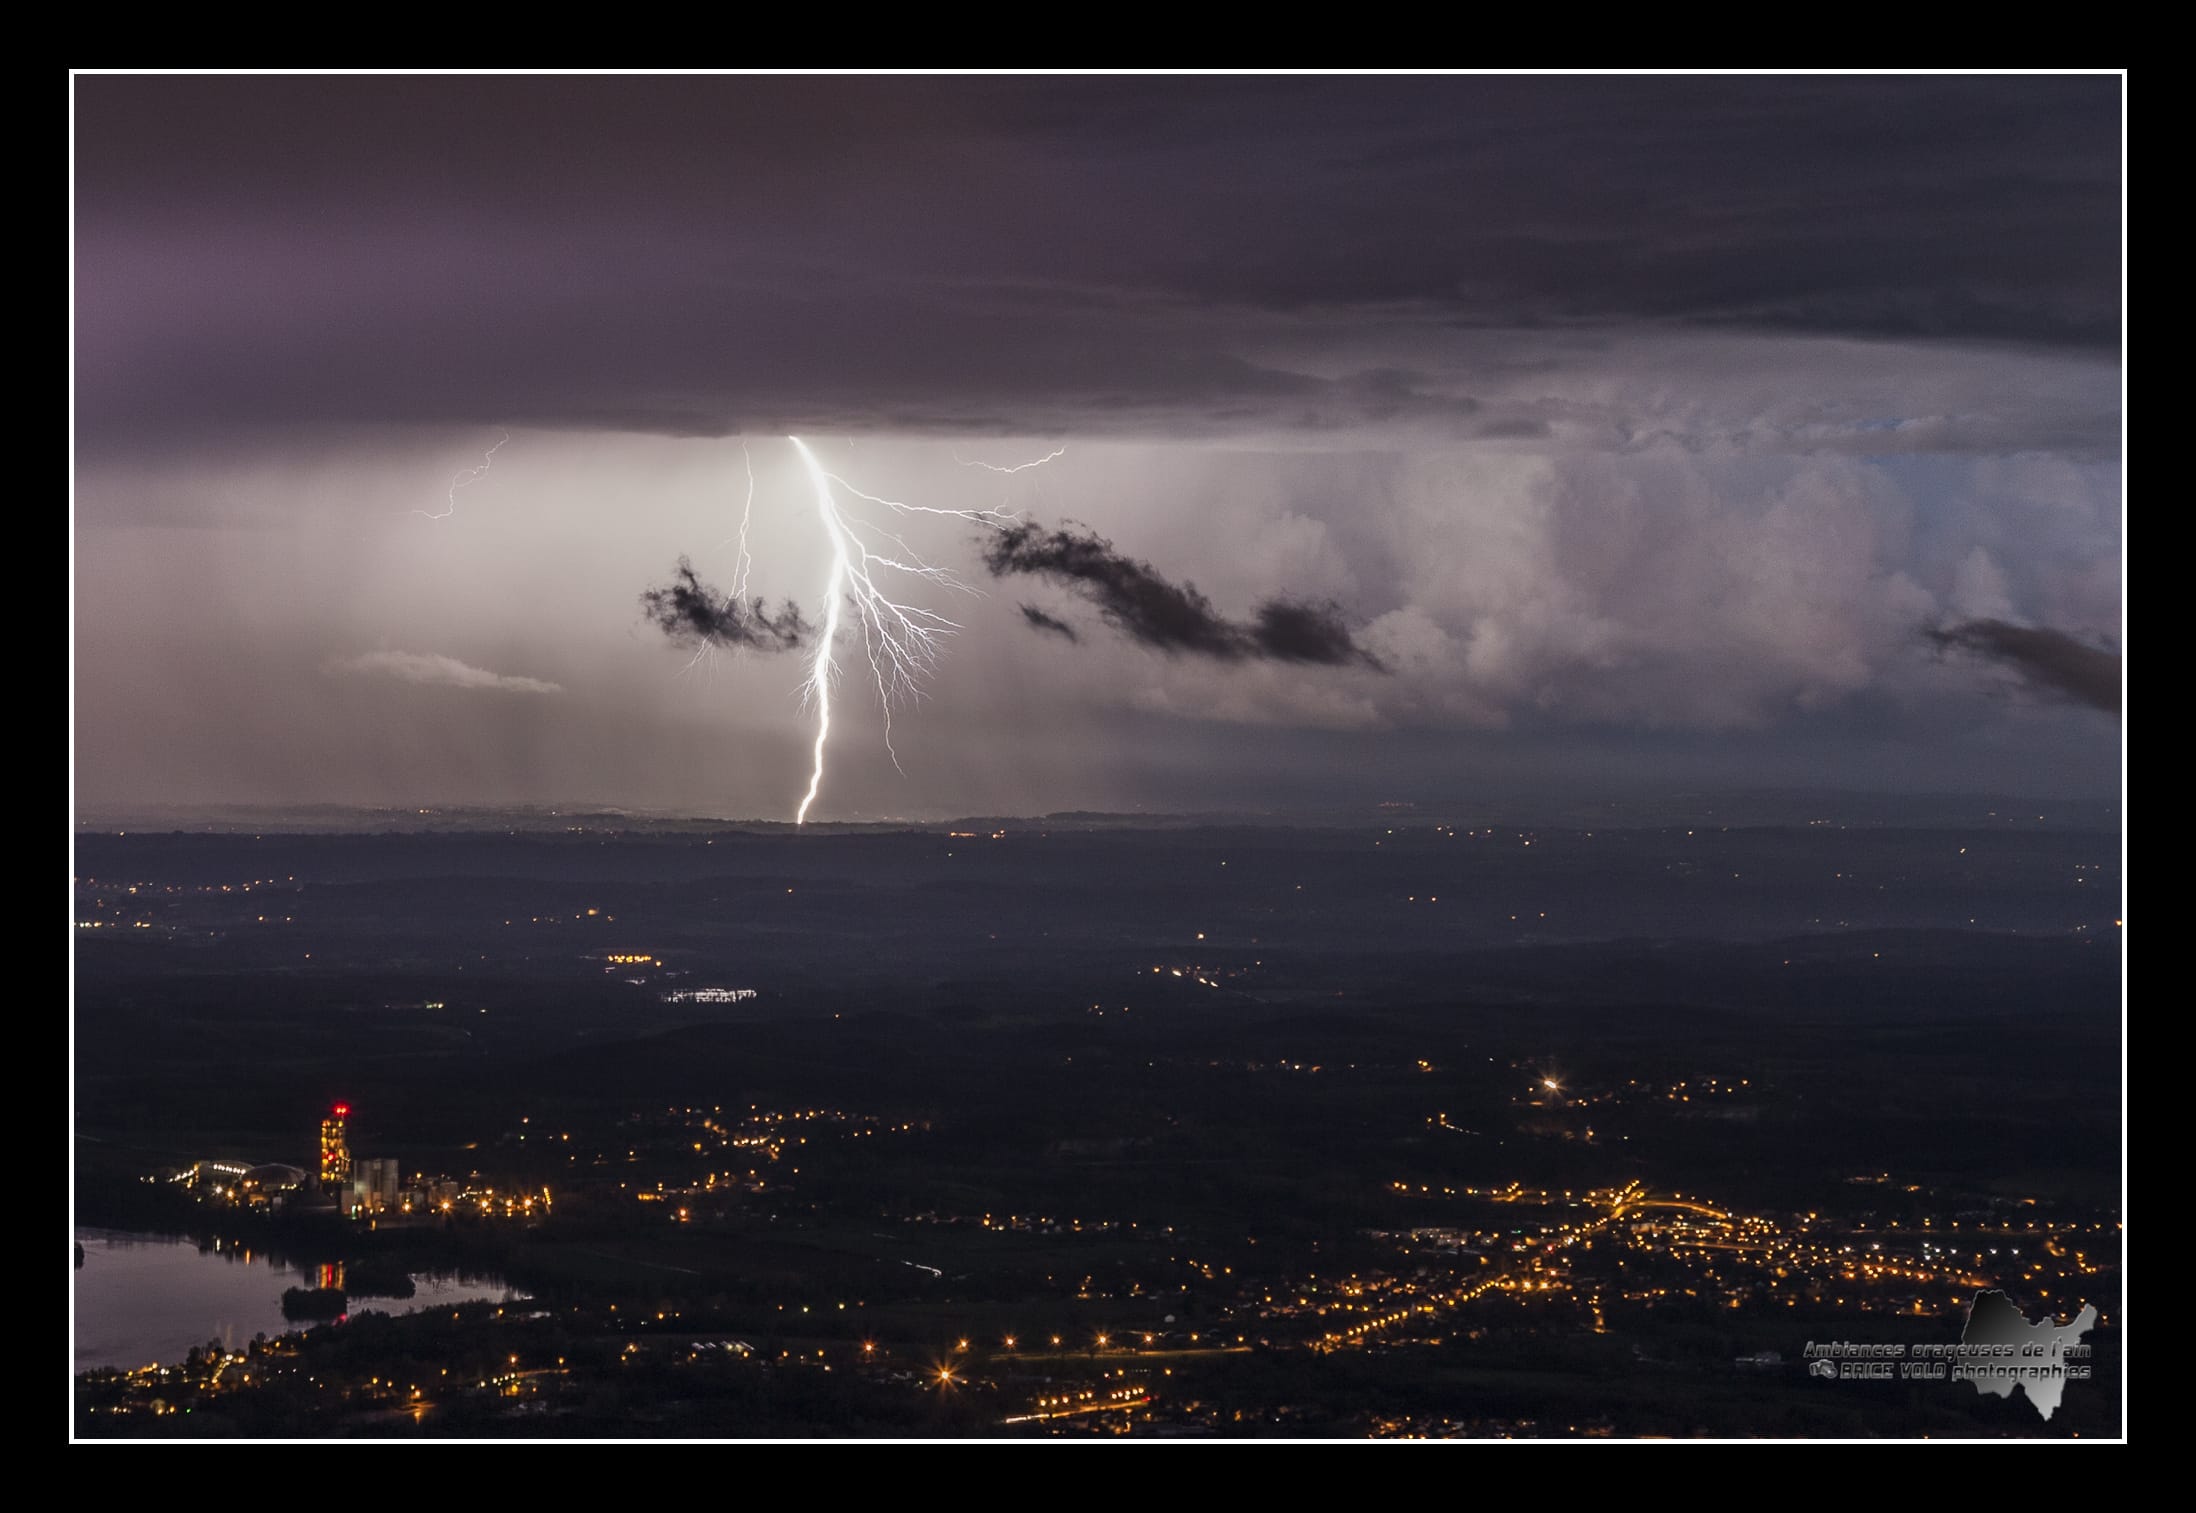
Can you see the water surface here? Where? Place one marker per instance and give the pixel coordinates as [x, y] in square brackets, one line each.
[146, 1299]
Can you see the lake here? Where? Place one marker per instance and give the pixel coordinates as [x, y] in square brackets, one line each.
[142, 1299]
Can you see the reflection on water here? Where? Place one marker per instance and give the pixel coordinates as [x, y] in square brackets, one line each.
[142, 1299]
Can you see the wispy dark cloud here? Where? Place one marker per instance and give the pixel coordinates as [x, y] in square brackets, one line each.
[1039, 620]
[1131, 595]
[1137, 600]
[693, 613]
[2049, 660]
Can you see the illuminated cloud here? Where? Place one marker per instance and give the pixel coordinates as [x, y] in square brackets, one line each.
[433, 670]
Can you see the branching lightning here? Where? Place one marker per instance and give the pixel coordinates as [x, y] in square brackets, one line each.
[900, 641]
[464, 478]
[1020, 467]
[871, 565]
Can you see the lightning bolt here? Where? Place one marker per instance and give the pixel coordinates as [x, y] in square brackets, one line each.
[869, 564]
[747, 514]
[900, 641]
[1020, 467]
[820, 673]
[465, 477]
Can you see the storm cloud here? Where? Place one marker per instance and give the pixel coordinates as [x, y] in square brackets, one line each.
[693, 613]
[698, 256]
[1636, 425]
[2049, 661]
[1169, 617]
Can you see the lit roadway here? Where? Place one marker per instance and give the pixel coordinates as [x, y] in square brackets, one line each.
[1620, 1202]
[1138, 1352]
[1101, 1406]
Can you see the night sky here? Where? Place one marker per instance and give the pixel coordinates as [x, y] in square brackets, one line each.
[1419, 438]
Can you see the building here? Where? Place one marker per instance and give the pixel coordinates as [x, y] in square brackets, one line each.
[374, 1185]
[335, 1153]
[271, 1185]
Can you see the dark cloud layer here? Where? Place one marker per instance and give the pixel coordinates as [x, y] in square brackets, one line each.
[2048, 660]
[706, 255]
[693, 613]
[1153, 611]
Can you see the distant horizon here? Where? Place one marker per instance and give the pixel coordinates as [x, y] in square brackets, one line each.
[1754, 807]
